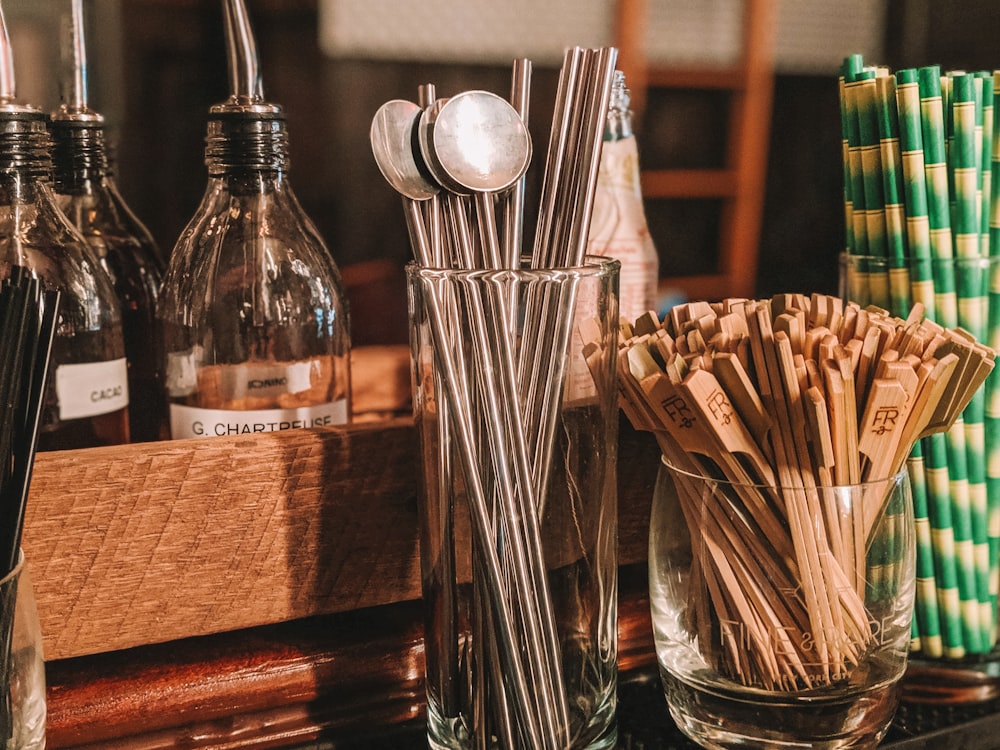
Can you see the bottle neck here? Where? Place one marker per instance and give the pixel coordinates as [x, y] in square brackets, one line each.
[24, 147]
[619, 125]
[246, 146]
[79, 156]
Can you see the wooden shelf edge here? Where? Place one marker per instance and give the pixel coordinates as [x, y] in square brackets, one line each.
[326, 677]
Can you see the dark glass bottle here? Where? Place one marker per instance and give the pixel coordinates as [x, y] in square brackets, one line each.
[86, 399]
[253, 315]
[86, 192]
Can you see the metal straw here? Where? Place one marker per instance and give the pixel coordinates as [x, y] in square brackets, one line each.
[513, 224]
[586, 80]
[443, 137]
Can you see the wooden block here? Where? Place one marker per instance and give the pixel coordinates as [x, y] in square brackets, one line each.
[147, 543]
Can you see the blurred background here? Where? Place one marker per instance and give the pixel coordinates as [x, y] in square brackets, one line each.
[158, 65]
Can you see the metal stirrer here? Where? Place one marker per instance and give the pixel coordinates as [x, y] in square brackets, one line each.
[477, 142]
[395, 158]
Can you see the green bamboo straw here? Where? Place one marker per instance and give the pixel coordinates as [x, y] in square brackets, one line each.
[892, 185]
[911, 144]
[963, 169]
[926, 612]
[848, 69]
[939, 175]
[992, 385]
[943, 540]
[946, 455]
[871, 166]
[964, 163]
[932, 456]
[858, 280]
[938, 207]
[984, 102]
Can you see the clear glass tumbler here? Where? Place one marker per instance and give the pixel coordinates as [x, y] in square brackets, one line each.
[516, 410]
[22, 707]
[781, 614]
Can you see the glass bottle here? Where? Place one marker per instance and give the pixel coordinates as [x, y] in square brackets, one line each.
[254, 319]
[618, 226]
[87, 193]
[86, 398]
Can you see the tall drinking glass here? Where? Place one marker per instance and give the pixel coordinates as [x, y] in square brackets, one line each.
[515, 407]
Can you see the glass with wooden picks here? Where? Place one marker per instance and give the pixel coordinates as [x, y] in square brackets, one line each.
[781, 614]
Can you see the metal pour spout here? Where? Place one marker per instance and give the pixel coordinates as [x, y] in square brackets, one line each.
[73, 81]
[245, 83]
[8, 88]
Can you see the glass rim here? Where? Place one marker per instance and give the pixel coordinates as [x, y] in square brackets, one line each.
[899, 476]
[593, 266]
[910, 261]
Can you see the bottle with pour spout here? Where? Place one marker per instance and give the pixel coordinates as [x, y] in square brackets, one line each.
[252, 310]
[618, 226]
[86, 402]
[87, 193]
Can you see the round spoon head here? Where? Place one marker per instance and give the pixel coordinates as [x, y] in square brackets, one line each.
[475, 141]
[392, 144]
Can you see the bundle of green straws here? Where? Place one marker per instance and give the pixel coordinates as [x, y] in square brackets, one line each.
[922, 220]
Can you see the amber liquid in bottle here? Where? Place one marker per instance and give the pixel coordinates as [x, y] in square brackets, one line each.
[86, 192]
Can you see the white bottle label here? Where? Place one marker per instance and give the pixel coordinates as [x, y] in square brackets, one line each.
[91, 388]
[264, 381]
[193, 421]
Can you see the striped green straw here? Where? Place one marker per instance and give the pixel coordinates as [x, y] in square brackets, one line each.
[963, 170]
[848, 70]
[992, 385]
[932, 455]
[871, 165]
[965, 160]
[946, 456]
[938, 208]
[946, 565]
[926, 612]
[915, 188]
[858, 287]
[935, 512]
[984, 102]
[892, 186]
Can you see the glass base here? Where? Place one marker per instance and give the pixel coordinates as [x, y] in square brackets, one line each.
[953, 681]
[451, 733]
[722, 719]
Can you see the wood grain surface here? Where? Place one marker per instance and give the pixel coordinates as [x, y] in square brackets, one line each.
[150, 543]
